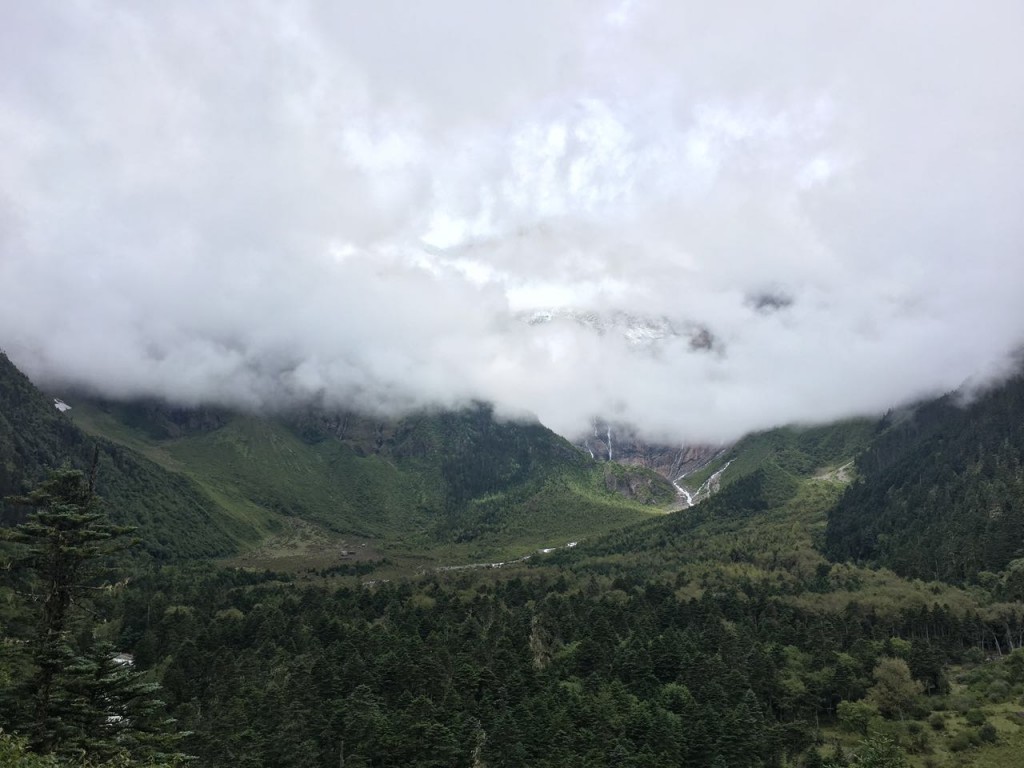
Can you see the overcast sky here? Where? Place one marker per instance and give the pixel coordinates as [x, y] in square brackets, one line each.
[263, 202]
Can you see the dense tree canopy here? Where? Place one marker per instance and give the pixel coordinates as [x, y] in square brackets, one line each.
[940, 493]
[70, 694]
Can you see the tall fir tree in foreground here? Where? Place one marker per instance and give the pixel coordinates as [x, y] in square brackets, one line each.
[68, 695]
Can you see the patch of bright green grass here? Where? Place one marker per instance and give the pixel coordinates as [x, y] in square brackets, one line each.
[263, 473]
[798, 451]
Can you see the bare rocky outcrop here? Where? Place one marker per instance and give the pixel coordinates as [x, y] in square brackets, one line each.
[619, 444]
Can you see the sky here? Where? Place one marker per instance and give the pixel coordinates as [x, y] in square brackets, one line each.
[696, 218]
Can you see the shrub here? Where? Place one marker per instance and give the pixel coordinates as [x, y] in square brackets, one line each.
[937, 721]
[855, 716]
[919, 741]
[962, 741]
[998, 690]
[961, 704]
[975, 717]
[974, 656]
[895, 691]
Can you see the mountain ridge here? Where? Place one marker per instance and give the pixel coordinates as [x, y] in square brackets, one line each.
[940, 490]
[462, 477]
[177, 518]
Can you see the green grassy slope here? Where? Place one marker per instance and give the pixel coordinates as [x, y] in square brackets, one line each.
[174, 517]
[767, 526]
[797, 451]
[449, 479]
[327, 482]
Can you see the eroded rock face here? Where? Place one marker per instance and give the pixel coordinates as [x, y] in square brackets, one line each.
[619, 444]
[632, 484]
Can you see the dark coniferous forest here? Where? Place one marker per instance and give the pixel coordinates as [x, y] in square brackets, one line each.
[849, 596]
[940, 491]
[548, 384]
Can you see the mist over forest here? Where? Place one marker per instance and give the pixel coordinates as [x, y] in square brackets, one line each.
[551, 384]
[260, 205]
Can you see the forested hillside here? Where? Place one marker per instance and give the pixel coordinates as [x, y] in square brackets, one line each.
[709, 638]
[719, 635]
[540, 670]
[175, 519]
[940, 491]
[795, 450]
[426, 480]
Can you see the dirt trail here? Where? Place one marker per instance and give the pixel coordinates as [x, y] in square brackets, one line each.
[843, 474]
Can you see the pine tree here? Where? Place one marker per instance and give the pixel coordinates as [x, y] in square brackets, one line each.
[76, 700]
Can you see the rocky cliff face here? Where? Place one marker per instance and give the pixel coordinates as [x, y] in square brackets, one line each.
[617, 443]
[635, 484]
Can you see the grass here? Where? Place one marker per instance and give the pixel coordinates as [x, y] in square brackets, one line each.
[778, 548]
[799, 451]
[566, 508]
[325, 482]
[960, 716]
[307, 498]
[95, 421]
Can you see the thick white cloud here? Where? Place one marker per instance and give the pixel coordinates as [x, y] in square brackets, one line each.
[250, 202]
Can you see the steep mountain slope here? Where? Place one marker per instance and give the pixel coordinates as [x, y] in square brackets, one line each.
[673, 636]
[458, 477]
[719, 635]
[777, 457]
[174, 518]
[764, 525]
[940, 493]
[619, 443]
